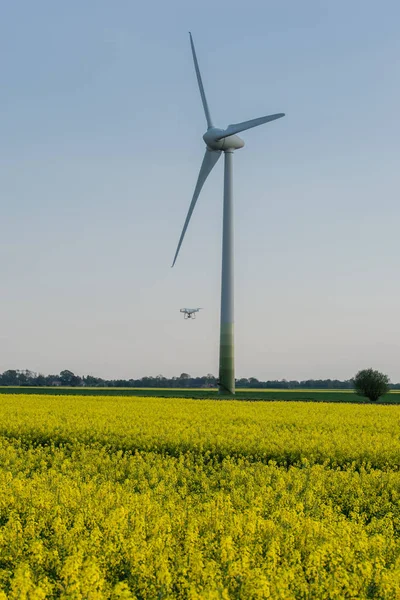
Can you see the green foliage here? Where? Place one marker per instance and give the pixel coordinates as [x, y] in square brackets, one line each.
[10, 377]
[371, 384]
[68, 379]
[106, 498]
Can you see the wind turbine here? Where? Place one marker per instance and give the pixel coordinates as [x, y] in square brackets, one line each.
[218, 141]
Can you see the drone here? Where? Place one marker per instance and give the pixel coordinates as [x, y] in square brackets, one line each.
[190, 313]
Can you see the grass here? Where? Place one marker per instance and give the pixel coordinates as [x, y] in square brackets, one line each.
[305, 395]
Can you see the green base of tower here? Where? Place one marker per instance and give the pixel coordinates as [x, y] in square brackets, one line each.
[226, 361]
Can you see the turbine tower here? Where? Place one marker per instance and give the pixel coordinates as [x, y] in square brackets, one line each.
[218, 141]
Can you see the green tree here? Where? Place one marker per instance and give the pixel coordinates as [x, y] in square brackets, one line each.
[10, 377]
[40, 380]
[371, 384]
[69, 378]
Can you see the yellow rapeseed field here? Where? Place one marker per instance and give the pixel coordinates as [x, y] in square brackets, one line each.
[151, 498]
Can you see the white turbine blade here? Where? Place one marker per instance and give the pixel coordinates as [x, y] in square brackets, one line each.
[238, 127]
[209, 161]
[203, 96]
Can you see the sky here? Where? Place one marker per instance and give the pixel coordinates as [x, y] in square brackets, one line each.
[101, 128]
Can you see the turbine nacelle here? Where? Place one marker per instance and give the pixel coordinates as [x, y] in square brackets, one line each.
[216, 139]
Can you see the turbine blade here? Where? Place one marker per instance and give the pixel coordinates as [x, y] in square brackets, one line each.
[238, 127]
[209, 161]
[199, 81]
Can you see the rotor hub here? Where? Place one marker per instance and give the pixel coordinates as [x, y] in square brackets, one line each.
[232, 142]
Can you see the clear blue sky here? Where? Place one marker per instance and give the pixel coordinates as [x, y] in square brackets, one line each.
[100, 146]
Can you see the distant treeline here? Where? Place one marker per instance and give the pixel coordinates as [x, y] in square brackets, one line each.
[68, 378]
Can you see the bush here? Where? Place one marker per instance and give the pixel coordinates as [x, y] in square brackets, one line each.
[371, 384]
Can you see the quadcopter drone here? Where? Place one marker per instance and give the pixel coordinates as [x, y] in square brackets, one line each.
[190, 313]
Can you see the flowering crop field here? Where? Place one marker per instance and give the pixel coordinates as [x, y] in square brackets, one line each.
[154, 498]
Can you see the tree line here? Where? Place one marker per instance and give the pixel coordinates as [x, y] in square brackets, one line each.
[13, 377]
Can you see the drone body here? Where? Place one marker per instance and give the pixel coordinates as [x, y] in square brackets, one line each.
[190, 313]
